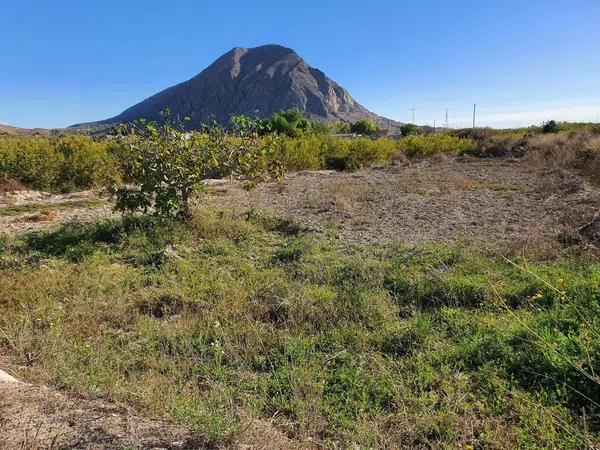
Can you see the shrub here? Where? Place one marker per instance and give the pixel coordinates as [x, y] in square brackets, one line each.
[293, 123]
[550, 127]
[166, 166]
[35, 162]
[363, 127]
[71, 161]
[342, 127]
[321, 128]
[420, 146]
[409, 129]
[577, 151]
[321, 151]
[304, 153]
[86, 162]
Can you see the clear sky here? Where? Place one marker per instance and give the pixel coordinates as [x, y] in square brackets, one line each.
[522, 62]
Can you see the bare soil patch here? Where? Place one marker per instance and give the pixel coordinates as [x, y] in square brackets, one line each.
[497, 201]
[33, 417]
[22, 211]
[39, 418]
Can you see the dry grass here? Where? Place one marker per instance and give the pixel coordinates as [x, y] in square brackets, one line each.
[11, 186]
[45, 216]
[578, 152]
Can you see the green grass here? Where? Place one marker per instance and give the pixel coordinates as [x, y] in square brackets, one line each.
[16, 210]
[437, 346]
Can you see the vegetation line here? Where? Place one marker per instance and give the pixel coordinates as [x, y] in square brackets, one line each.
[7, 211]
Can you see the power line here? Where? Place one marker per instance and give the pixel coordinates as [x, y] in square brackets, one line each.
[413, 114]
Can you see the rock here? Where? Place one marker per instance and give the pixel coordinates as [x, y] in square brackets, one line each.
[266, 79]
[6, 378]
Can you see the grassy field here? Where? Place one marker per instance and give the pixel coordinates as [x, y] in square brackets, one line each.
[338, 343]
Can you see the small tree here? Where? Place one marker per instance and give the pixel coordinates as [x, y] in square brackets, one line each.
[550, 127]
[363, 127]
[409, 129]
[320, 128]
[291, 123]
[342, 127]
[164, 166]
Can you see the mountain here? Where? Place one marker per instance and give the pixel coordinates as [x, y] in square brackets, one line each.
[266, 79]
[10, 130]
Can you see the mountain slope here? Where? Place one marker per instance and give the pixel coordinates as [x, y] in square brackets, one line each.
[266, 79]
[10, 130]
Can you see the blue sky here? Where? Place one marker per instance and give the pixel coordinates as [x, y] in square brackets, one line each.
[522, 62]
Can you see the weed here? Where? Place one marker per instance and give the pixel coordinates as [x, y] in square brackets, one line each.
[334, 343]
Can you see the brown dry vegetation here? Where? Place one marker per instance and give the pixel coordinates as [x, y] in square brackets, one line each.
[497, 202]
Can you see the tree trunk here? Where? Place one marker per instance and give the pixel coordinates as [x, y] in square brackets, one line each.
[185, 213]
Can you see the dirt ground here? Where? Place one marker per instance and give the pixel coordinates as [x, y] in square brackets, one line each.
[497, 201]
[43, 210]
[40, 418]
[33, 417]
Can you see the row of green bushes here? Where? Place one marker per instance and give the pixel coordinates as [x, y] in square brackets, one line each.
[77, 162]
[294, 123]
[63, 164]
[326, 152]
[427, 145]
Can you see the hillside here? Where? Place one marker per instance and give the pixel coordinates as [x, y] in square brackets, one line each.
[266, 79]
[10, 130]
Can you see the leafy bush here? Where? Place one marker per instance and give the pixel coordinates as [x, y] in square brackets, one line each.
[409, 129]
[86, 162]
[293, 123]
[34, 162]
[550, 127]
[328, 152]
[166, 166]
[363, 127]
[342, 127]
[420, 146]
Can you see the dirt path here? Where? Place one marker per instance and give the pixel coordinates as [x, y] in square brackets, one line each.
[39, 418]
[33, 417]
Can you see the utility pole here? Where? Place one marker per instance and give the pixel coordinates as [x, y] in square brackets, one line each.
[434, 120]
[446, 125]
[413, 114]
[474, 108]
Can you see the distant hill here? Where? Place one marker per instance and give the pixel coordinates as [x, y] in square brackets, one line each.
[266, 79]
[8, 129]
